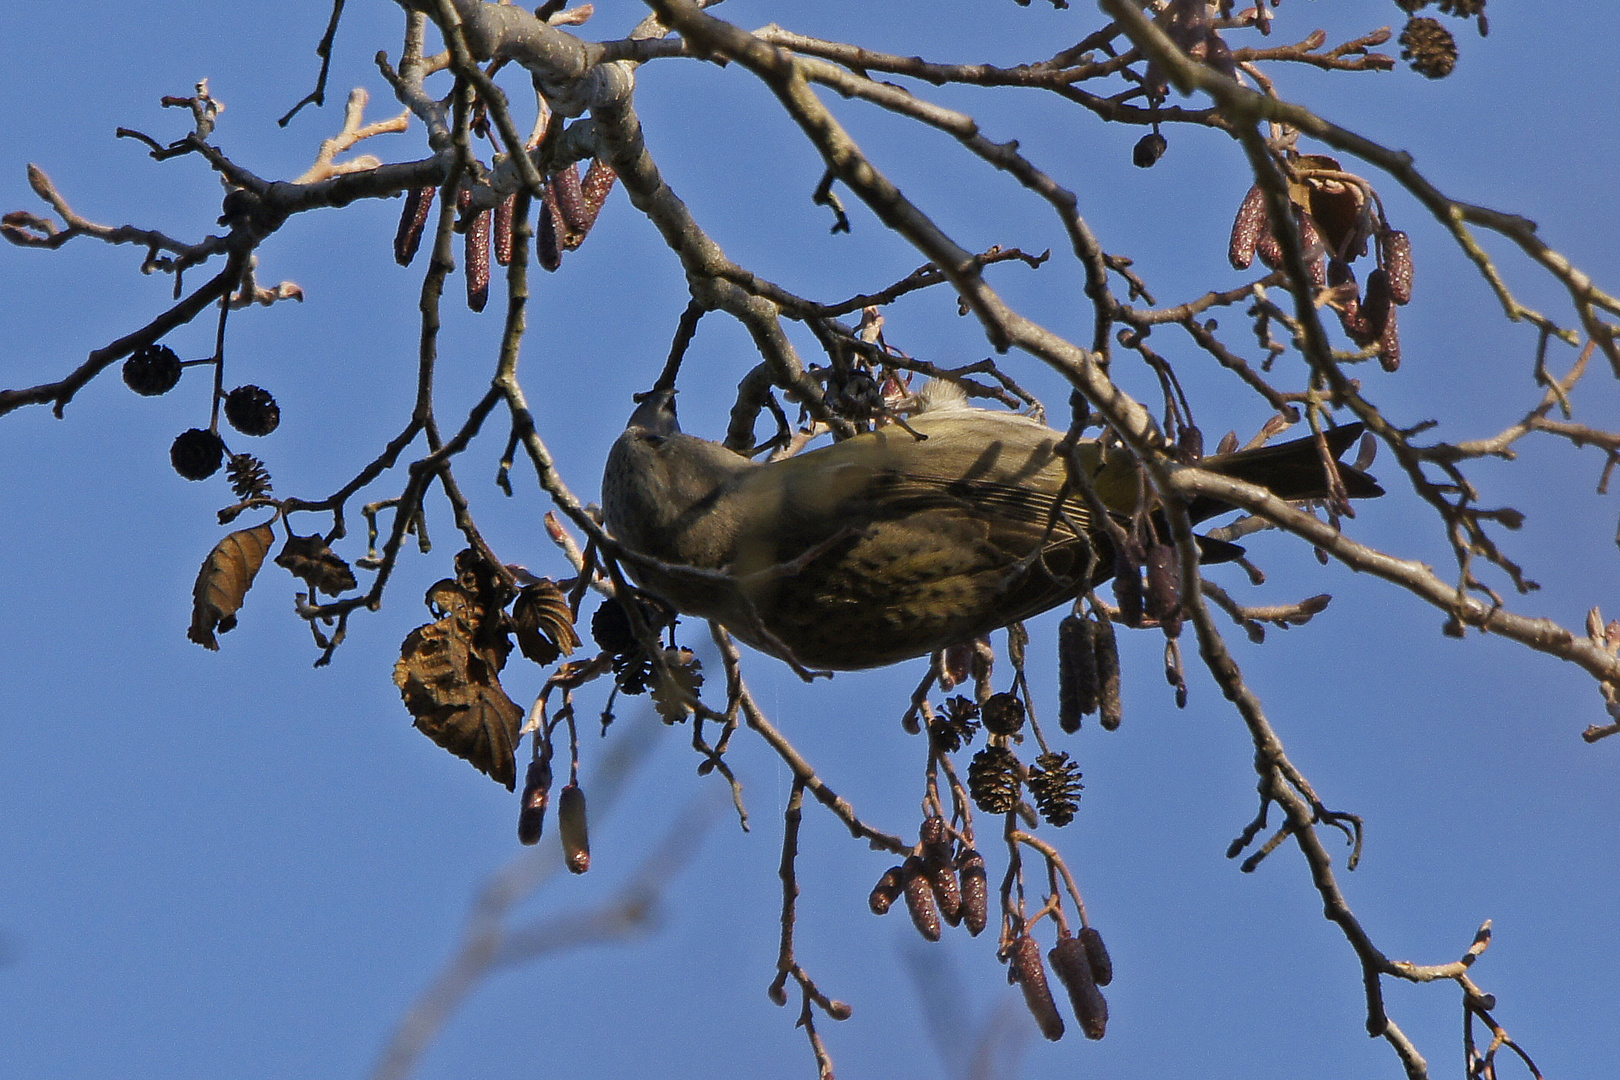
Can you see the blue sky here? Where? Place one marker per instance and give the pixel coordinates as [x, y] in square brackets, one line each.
[236, 865]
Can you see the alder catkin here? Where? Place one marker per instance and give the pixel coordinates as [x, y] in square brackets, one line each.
[1025, 968]
[1073, 966]
[576, 841]
[1077, 672]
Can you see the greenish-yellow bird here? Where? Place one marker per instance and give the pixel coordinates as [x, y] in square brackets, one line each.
[893, 543]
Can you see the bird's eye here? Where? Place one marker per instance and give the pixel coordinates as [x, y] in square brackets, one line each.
[655, 440]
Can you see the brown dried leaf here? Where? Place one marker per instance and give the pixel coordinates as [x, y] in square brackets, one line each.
[543, 622]
[310, 558]
[224, 580]
[451, 689]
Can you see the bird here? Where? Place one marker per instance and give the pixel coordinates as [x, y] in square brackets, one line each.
[899, 541]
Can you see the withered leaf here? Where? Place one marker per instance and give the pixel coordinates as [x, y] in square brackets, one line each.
[543, 622]
[451, 688]
[224, 580]
[310, 558]
[678, 680]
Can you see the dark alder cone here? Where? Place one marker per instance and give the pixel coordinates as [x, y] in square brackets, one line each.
[1003, 714]
[576, 840]
[920, 899]
[1163, 597]
[993, 779]
[886, 891]
[252, 411]
[1054, 780]
[1077, 672]
[1108, 701]
[1025, 969]
[502, 226]
[536, 795]
[197, 454]
[1429, 47]
[411, 221]
[476, 249]
[1073, 969]
[610, 627]
[153, 370]
[1102, 968]
[1250, 225]
[956, 725]
[1395, 256]
[1148, 150]
[975, 891]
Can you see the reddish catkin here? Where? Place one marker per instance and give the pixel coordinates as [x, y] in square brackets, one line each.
[886, 891]
[1248, 227]
[975, 891]
[920, 899]
[1025, 969]
[1395, 256]
[411, 222]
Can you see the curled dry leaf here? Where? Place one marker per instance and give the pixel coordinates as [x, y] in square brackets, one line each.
[224, 580]
[543, 623]
[310, 558]
[451, 688]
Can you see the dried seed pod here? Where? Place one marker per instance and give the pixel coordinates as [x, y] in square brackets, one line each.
[1376, 304]
[1077, 672]
[576, 840]
[1163, 597]
[1108, 700]
[1025, 968]
[993, 779]
[503, 229]
[1128, 586]
[197, 454]
[536, 796]
[1429, 47]
[411, 221]
[1248, 227]
[955, 727]
[252, 411]
[1003, 714]
[1395, 256]
[886, 891]
[975, 883]
[153, 370]
[1148, 150]
[920, 899]
[1073, 969]
[1054, 780]
[1102, 968]
[476, 248]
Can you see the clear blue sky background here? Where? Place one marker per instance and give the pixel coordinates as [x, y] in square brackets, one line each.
[234, 865]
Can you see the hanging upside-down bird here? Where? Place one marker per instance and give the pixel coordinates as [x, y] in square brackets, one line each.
[895, 543]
